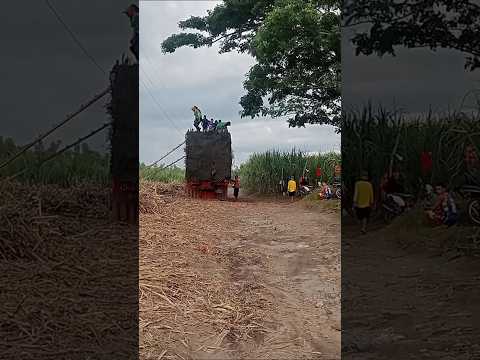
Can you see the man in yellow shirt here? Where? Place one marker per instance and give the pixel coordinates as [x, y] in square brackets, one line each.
[291, 187]
[363, 200]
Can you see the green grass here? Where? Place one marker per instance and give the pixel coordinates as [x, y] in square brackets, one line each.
[172, 174]
[263, 171]
[313, 201]
[71, 168]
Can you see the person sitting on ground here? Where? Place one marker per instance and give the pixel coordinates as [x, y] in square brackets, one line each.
[291, 187]
[445, 210]
[363, 200]
[327, 191]
[205, 123]
[429, 198]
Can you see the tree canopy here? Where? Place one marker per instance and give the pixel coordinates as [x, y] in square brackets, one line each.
[296, 44]
[450, 24]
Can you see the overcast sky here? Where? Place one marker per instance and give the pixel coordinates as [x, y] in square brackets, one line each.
[412, 81]
[171, 84]
[45, 75]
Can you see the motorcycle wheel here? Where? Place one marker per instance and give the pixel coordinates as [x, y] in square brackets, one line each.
[387, 216]
[338, 193]
[473, 208]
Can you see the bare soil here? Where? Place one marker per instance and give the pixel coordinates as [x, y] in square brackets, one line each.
[238, 280]
[410, 292]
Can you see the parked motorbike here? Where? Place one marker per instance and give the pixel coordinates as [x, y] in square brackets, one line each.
[304, 190]
[391, 209]
[472, 194]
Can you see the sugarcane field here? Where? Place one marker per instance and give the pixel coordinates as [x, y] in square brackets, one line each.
[431, 249]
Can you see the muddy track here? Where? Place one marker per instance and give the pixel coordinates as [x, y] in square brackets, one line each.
[276, 262]
[409, 296]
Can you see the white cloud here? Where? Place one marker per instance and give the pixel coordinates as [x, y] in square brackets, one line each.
[210, 80]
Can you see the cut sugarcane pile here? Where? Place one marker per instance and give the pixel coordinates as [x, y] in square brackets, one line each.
[68, 275]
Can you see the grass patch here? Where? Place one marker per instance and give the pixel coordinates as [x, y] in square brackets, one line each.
[172, 174]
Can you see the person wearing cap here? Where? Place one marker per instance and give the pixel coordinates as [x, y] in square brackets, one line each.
[132, 12]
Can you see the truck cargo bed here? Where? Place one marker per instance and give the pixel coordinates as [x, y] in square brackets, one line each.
[207, 150]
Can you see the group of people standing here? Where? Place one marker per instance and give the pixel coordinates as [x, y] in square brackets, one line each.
[207, 125]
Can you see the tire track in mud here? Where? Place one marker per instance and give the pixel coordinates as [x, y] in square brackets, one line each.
[274, 267]
[297, 260]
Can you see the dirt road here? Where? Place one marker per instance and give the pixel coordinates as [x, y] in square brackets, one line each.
[407, 293]
[238, 280]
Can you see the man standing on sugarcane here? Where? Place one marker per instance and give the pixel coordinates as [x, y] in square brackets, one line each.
[205, 123]
[198, 117]
[132, 12]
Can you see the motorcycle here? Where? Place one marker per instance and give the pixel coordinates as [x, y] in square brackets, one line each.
[304, 190]
[337, 190]
[391, 209]
[472, 194]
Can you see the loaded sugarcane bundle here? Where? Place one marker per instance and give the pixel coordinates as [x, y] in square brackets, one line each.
[207, 151]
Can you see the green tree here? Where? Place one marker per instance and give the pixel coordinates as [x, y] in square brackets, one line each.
[296, 44]
[449, 24]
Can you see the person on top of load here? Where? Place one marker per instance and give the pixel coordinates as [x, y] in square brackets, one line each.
[211, 125]
[222, 126]
[132, 12]
[205, 123]
[198, 117]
